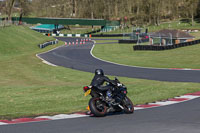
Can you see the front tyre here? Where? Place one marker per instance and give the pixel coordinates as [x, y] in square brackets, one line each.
[128, 106]
[97, 107]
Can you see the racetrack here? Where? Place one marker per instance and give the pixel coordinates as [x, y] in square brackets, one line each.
[178, 118]
[79, 57]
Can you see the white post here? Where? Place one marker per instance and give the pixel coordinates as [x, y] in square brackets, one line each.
[138, 39]
[171, 38]
[160, 39]
[150, 42]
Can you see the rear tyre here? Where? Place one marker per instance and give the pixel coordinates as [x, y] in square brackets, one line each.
[97, 107]
[128, 106]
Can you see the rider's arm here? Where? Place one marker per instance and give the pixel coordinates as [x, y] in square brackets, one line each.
[108, 80]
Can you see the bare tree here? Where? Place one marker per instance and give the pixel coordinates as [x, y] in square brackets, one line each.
[138, 11]
[9, 7]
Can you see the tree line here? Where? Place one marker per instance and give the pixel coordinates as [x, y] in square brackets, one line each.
[138, 12]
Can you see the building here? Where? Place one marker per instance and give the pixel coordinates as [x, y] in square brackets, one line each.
[169, 37]
[47, 28]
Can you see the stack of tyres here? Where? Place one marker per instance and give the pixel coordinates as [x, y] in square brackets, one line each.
[148, 47]
[47, 44]
[154, 47]
[181, 45]
[185, 44]
[158, 48]
[192, 43]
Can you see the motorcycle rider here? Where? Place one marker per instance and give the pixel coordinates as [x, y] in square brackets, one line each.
[98, 81]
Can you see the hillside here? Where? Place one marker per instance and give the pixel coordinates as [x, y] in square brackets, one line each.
[26, 84]
[16, 40]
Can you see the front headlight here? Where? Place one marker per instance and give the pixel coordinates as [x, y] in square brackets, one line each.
[118, 84]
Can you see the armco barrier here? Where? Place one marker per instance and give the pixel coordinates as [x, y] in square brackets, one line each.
[68, 35]
[88, 35]
[47, 44]
[158, 48]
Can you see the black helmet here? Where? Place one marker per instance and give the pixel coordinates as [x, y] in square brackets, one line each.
[99, 72]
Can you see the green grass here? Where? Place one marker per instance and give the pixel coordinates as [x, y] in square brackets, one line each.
[30, 88]
[186, 57]
[174, 25]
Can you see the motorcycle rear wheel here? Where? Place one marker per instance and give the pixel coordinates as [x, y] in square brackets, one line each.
[97, 107]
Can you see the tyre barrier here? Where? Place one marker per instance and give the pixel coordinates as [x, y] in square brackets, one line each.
[110, 35]
[96, 31]
[127, 41]
[47, 44]
[133, 41]
[159, 48]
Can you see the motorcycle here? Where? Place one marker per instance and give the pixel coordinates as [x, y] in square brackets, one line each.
[100, 104]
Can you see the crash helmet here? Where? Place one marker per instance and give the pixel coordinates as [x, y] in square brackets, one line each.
[99, 72]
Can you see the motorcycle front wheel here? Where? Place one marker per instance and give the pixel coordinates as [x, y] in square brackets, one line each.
[128, 105]
[97, 107]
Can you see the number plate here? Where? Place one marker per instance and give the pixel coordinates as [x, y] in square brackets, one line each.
[87, 92]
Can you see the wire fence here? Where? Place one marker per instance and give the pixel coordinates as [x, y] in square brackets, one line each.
[6, 23]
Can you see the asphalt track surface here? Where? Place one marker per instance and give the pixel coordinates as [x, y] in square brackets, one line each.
[177, 118]
[79, 57]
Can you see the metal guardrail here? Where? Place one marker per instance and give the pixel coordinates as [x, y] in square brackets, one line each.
[68, 35]
[47, 44]
[4, 23]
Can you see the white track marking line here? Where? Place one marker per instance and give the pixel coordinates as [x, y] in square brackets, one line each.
[46, 62]
[164, 103]
[2, 123]
[188, 96]
[44, 117]
[138, 108]
[63, 116]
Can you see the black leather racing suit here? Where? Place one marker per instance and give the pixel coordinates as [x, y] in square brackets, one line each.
[98, 82]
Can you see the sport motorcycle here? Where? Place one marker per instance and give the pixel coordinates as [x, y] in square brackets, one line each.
[102, 103]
